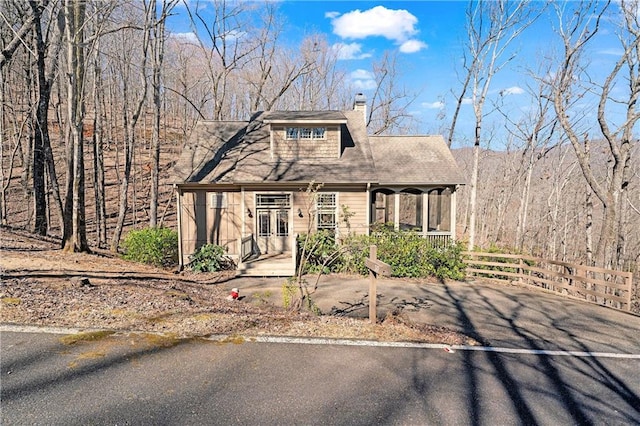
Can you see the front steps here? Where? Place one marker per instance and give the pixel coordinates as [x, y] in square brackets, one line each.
[276, 266]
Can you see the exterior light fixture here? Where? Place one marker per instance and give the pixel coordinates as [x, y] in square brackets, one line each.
[299, 213]
[249, 212]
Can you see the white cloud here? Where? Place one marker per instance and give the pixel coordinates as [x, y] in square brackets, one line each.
[397, 25]
[515, 90]
[433, 105]
[363, 79]
[412, 46]
[331, 15]
[467, 101]
[189, 37]
[350, 51]
[611, 51]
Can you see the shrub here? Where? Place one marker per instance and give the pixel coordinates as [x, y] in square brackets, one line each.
[320, 253]
[154, 246]
[408, 254]
[210, 258]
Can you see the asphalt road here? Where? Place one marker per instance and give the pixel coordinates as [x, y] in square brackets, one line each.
[133, 380]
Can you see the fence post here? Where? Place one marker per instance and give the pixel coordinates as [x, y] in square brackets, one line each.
[629, 280]
[373, 255]
[520, 270]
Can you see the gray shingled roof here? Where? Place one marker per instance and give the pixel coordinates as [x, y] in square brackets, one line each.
[239, 152]
[414, 160]
[297, 116]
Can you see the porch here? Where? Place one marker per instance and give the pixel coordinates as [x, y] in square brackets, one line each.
[255, 264]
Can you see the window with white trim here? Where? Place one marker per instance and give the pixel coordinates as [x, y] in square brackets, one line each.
[306, 132]
[273, 200]
[326, 211]
[292, 133]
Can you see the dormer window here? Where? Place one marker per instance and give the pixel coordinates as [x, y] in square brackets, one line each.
[292, 133]
[306, 132]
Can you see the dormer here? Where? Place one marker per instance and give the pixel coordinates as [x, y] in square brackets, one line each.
[305, 135]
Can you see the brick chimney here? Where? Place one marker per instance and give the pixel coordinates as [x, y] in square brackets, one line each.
[360, 104]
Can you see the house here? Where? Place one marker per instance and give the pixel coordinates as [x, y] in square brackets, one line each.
[242, 184]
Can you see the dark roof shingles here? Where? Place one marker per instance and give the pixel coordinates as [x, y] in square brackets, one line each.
[239, 152]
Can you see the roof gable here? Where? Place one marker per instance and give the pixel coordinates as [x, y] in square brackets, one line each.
[239, 152]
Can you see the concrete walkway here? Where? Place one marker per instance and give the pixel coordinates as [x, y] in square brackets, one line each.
[494, 314]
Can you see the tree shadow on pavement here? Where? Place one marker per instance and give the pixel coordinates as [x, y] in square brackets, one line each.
[514, 318]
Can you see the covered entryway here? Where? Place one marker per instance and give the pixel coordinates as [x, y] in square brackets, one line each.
[273, 230]
[273, 223]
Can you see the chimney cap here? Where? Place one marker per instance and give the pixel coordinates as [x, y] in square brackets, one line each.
[360, 98]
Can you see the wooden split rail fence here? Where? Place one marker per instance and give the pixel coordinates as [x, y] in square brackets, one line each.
[596, 285]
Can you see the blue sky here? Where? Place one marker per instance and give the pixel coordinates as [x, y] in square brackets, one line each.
[428, 37]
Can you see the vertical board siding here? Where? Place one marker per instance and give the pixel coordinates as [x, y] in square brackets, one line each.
[223, 224]
[356, 202]
[202, 224]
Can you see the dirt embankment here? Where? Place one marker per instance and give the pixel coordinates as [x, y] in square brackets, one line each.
[41, 285]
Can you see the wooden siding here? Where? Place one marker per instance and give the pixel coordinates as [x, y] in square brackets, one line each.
[222, 225]
[356, 202]
[227, 225]
[294, 149]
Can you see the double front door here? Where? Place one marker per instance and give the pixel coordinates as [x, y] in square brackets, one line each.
[273, 223]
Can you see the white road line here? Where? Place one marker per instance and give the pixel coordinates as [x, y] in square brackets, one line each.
[347, 342]
[448, 348]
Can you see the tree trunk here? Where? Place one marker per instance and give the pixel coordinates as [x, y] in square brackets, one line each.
[589, 225]
[98, 157]
[40, 127]
[473, 191]
[75, 236]
[523, 209]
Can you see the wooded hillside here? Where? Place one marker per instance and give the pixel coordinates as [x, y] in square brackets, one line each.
[98, 97]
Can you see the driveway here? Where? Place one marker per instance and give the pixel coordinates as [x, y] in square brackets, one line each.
[494, 314]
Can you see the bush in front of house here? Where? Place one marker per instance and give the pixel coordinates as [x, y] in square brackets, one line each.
[153, 246]
[210, 258]
[319, 253]
[409, 255]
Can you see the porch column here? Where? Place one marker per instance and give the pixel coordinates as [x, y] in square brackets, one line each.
[453, 213]
[396, 211]
[243, 214]
[178, 192]
[425, 213]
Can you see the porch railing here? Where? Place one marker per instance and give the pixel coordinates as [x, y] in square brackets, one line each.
[246, 247]
[439, 239]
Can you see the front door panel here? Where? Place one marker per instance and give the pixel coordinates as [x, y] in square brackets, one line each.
[273, 230]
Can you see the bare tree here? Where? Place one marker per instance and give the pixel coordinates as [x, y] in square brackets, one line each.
[226, 45]
[389, 105]
[157, 45]
[133, 103]
[578, 26]
[537, 132]
[491, 28]
[325, 85]
[42, 154]
[75, 233]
